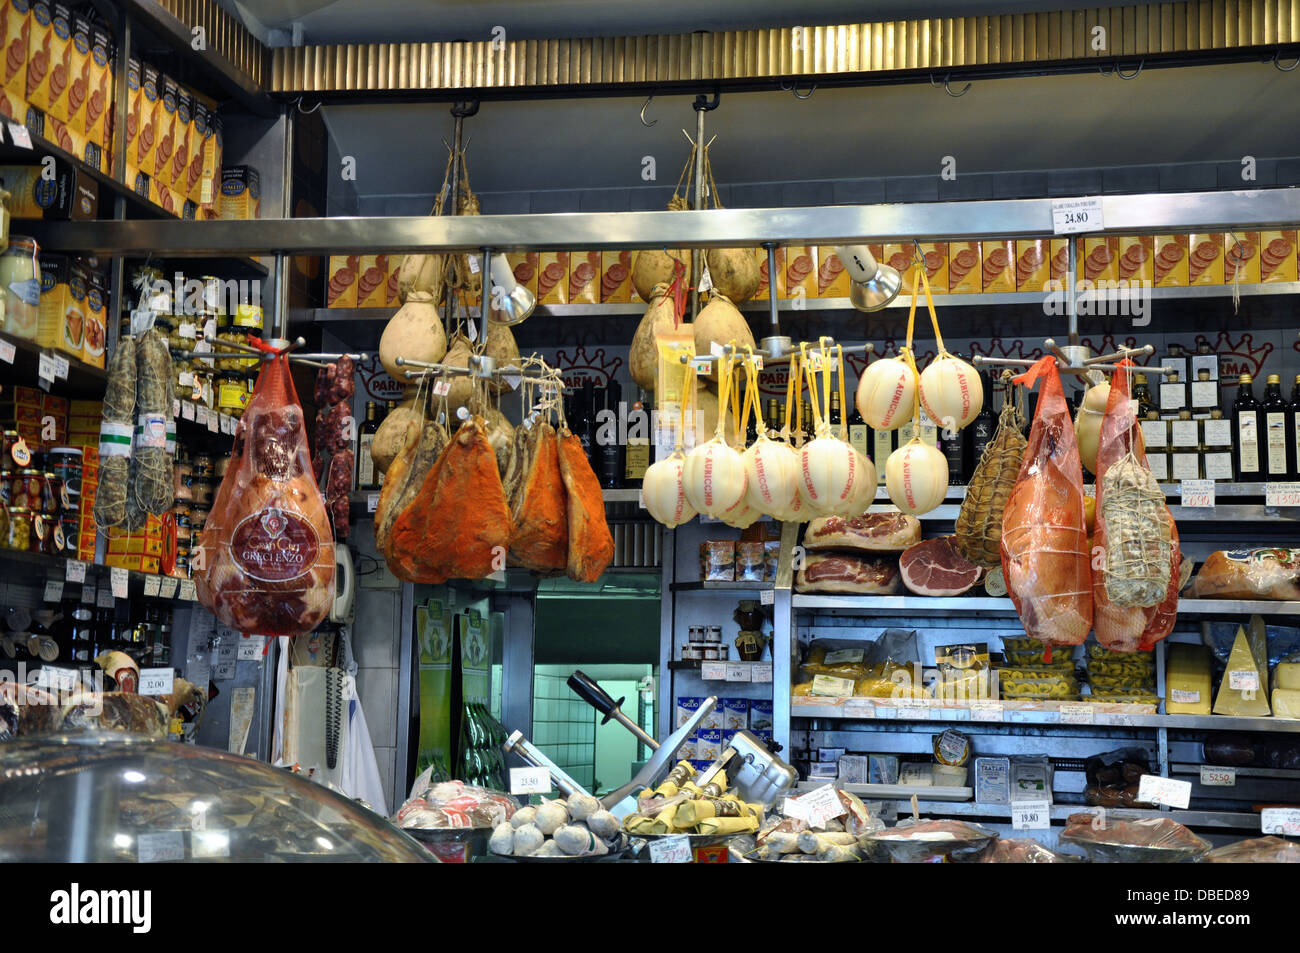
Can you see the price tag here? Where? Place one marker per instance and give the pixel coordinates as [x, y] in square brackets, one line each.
[530, 781]
[214, 421]
[859, 708]
[56, 678]
[223, 671]
[152, 584]
[251, 648]
[88, 595]
[20, 136]
[201, 415]
[441, 388]
[176, 407]
[1157, 790]
[1077, 215]
[7, 352]
[767, 597]
[1282, 494]
[760, 672]
[473, 264]
[886, 712]
[372, 502]
[53, 590]
[156, 681]
[104, 599]
[737, 671]
[671, 850]
[1196, 492]
[1031, 815]
[45, 367]
[227, 424]
[160, 847]
[702, 365]
[1280, 820]
[713, 671]
[187, 590]
[167, 587]
[1212, 777]
[76, 571]
[187, 411]
[1240, 681]
[61, 367]
[1077, 714]
[985, 711]
[817, 806]
[121, 579]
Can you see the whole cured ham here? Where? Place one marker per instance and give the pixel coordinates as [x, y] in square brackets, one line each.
[591, 546]
[266, 561]
[539, 538]
[1045, 558]
[936, 567]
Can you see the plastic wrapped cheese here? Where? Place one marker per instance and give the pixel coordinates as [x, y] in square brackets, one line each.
[1286, 703]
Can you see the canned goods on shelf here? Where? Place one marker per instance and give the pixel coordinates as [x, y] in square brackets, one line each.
[66, 462]
[26, 488]
[712, 633]
[19, 536]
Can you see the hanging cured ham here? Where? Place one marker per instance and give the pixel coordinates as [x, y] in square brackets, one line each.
[591, 547]
[266, 560]
[1045, 559]
[540, 535]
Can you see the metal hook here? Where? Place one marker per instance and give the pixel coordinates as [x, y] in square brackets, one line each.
[1115, 70]
[464, 110]
[794, 88]
[705, 104]
[1279, 67]
[305, 112]
[649, 100]
[947, 87]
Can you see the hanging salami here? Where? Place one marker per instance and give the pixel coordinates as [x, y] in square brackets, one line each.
[266, 563]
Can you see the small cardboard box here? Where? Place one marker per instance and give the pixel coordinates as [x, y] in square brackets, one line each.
[1205, 258]
[525, 267]
[152, 119]
[798, 279]
[391, 293]
[832, 279]
[553, 278]
[182, 129]
[1170, 268]
[1241, 254]
[1033, 264]
[62, 322]
[12, 105]
[194, 171]
[213, 146]
[584, 277]
[761, 293]
[92, 348]
[341, 291]
[169, 98]
[96, 117]
[16, 34]
[1277, 256]
[965, 276]
[1096, 259]
[45, 53]
[66, 196]
[241, 193]
[372, 282]
[73, 99]
[615, 276]
[998, 265]
[1135, 259]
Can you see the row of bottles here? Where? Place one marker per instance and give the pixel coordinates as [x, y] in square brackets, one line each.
[1266, 435]
[73, 633]
[369, 476]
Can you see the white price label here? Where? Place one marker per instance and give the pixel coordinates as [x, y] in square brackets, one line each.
[1282, 494]
[1077, 714]
[7, 352]
[187, 590]
[45, 367]
[737, 671]
[1280, 820]
[61, 367]
[767, 597]
[53, 590]
[223, 671]
[201, 415]
[168, 586]
[530, 781]
[187, 410]
[160, 847]
[859, 708]
[156, 681]
[1241, 681]
[372, 502]
[817, 806]
[76, 571]
[985, 711]
[713, 671]
[251, 648]
[1153, 789]
[512, 380]
[1196, 493]
[1212, 777]
[121, 579]
[20, 136]
[152, 584]
[473, 264]
[1077, 215]
[760, 672]
[227, 424]
[442, 388]
[104, 599]
[671, 850]
[214, 421]
[142, 319]
[57, 679]
[1031, 815]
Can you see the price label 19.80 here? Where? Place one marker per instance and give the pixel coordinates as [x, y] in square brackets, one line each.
[1070, 216]
[1031, 815]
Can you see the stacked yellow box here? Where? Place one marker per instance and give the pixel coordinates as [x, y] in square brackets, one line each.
[141, 550]
[83, 432]
[40, 419]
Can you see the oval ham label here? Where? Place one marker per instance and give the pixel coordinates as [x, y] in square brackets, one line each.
[274, 546]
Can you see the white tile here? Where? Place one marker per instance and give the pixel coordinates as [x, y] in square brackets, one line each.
[387, 761]
[375, 633]
[377, 688]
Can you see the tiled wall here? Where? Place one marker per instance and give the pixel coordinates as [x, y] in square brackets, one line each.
[564, 726]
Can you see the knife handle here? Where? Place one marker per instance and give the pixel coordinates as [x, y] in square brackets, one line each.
[586, 688]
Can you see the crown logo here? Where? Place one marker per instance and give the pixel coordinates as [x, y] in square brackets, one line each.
[1236, 357]
[996, 348]
[376, 381]
[1108, 345]
[580, 367]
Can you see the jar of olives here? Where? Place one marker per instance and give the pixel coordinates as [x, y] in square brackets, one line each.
[20, 528]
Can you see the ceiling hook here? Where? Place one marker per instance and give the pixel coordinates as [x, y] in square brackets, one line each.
[705, 104]
[1279, 67]
[308, 112]
[1134, 75]
[947, 86]
[464, 110]
[649, 100]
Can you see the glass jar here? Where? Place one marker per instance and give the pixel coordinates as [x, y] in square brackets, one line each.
[232, 393]
[181, 512]
[42, 539]
[202, 466]
[54, 498]
[20, 277]
[70, 522]
[20, 528]
[202, 490]
[66, 464]
[182, 487]
[15, 452]
[249, 316]
[26, 488]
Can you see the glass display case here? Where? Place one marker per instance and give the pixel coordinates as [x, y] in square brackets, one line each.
[115, 797]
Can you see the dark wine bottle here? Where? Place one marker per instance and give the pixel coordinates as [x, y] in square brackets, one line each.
[1246, 462]
[610, 448]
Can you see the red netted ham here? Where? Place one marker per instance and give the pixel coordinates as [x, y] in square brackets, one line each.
[1045, 558]
[872, 532]
[266, 560]
[848, 574]
[936, 567]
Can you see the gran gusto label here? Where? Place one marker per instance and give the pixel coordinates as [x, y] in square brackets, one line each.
[274, 546]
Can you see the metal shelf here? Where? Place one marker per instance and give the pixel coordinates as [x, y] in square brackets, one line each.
[84, 380]
[742, 585]
[56, 567]
[11, 154]
[1099, 719]
[715, 228]
[973, 604]
[632, 495]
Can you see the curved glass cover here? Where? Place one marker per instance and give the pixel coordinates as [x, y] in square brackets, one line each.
[104, 797]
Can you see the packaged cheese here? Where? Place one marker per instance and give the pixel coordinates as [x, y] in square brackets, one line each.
[1286, 703]
[1187, 682]
[1244, 689]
